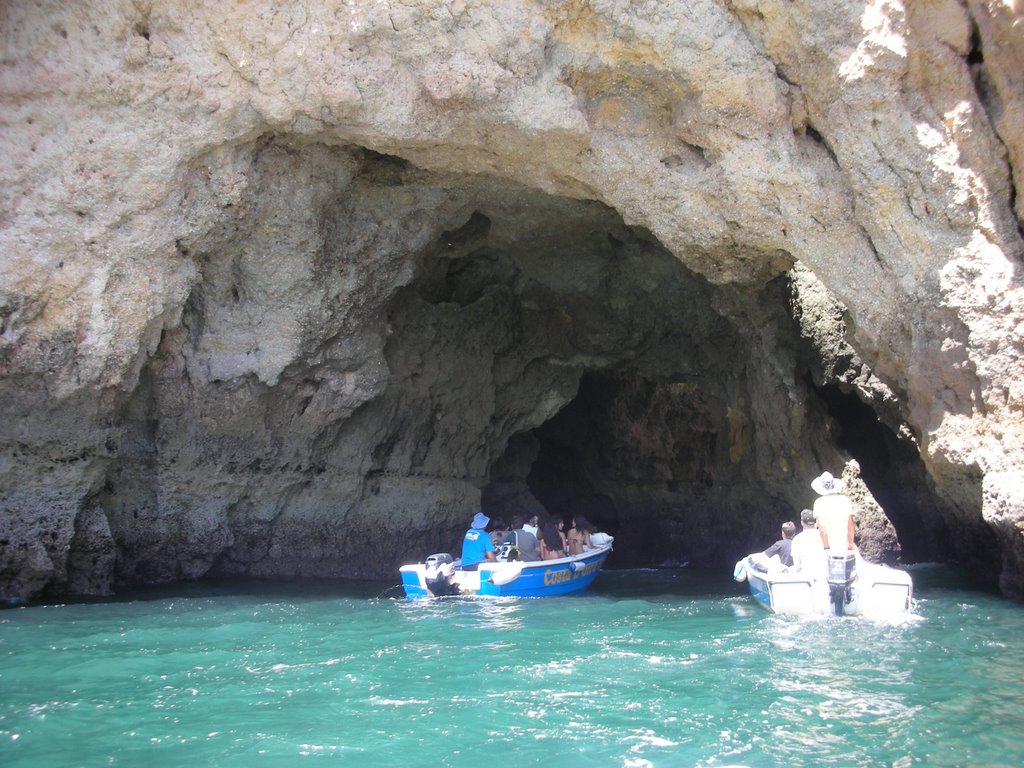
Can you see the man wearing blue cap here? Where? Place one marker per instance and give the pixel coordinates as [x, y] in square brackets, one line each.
[476, 544]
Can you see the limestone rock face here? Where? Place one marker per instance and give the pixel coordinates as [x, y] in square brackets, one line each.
[294, 289]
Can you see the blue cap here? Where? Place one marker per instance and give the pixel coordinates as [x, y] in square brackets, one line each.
[480, 520]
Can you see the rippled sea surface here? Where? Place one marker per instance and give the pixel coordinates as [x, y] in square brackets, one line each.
[650, 668]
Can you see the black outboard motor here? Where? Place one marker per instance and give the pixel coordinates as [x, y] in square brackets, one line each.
[842, 570]
[438, 575]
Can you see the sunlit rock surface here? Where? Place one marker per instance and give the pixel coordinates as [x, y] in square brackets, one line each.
[294, 289]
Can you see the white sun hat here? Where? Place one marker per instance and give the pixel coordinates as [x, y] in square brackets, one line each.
[826, 484]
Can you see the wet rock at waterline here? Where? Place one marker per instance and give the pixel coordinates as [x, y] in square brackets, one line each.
[293, 290]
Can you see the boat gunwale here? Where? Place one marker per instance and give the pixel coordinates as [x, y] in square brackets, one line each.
[529, 565]
[489, 565]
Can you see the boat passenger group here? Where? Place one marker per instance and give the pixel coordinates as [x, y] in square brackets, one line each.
[527, 539]
[827, 532]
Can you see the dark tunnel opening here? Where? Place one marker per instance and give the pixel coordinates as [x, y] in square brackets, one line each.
[894, 472]
[635, 458]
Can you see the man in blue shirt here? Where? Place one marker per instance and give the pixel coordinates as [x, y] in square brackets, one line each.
[476, 544]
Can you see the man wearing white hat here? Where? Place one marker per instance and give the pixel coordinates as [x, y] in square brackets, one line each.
[835, 513]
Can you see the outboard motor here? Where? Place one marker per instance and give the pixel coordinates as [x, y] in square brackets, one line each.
[438, 575]
[841, 573]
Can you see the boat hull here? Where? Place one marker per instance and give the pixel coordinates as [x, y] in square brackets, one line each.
[876, 591]
[543, 578]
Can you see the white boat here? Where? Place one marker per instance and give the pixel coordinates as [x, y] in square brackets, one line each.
[873, 590]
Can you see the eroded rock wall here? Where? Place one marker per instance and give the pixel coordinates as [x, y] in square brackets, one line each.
[281, 282]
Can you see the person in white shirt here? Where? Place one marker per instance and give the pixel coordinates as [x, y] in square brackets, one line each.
[834, 512]
[808, 549]
[809, 558]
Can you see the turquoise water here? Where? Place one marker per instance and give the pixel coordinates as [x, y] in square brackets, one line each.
[649, 668]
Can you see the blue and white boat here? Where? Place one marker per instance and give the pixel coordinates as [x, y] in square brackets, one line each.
[440, 576]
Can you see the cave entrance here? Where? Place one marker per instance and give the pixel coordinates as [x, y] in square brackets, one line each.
[596, 374]
[930, 528]
[635, 457]
[370, 362]
[570, 364]
[443, 340]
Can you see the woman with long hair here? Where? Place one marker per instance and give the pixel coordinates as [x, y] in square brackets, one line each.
[552, 545]
[578, 537]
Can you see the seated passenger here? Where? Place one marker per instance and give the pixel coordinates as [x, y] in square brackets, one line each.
[552, 545]
[779, 555]
[476, 544]
[578, 537]
[808, 549]
[499, 530]
[809, 558]
[524, 539]
[563, 534]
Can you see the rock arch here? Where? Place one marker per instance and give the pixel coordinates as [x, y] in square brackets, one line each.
[285, 290]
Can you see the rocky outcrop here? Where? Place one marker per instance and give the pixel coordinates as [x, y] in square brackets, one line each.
[293, 289]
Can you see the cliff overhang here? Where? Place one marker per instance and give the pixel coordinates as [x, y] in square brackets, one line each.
[294, 291]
